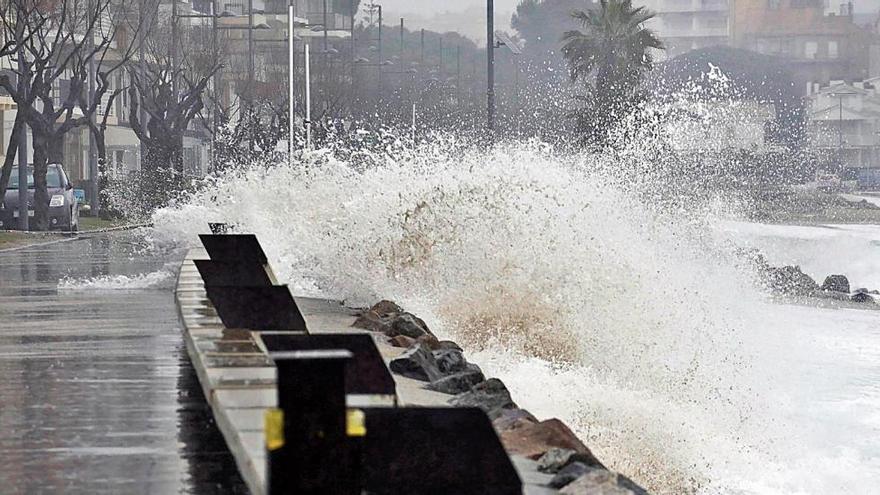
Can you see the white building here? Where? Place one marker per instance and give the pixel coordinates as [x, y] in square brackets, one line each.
[844, 120]
[686, 25]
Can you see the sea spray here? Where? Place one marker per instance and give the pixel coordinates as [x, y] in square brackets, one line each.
[535, 259]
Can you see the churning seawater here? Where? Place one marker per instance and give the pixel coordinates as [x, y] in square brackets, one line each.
[636, 323]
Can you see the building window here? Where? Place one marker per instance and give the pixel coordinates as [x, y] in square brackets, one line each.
[810, 49]
[234, 7]
[832, 49]
[773, 4]
[192, 161]
[118, 165]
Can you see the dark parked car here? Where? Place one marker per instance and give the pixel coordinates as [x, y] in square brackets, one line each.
[63, 205]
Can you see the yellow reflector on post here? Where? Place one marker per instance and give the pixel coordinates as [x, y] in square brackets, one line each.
[354, 424]
[274, 428]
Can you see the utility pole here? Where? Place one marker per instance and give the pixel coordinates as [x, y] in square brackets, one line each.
[490, 66]
[401, 40]
[422, 50]
[308, 119]
[458, 74]
[94, 173]
[22, 152]
[291, 80]
[174, 41]
[442, 67]
[250, 76]
[351, 38]
[326, 40]
[379, 64]
[215, 82]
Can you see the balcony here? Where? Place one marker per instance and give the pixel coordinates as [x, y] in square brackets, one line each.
[685, 6]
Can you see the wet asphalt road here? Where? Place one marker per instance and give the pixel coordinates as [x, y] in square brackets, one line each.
[97, 394]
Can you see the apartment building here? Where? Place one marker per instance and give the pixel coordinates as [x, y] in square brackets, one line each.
[844, 121]
[686, 25]
[817, 38]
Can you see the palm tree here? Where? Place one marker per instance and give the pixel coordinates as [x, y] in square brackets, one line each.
[609, 56]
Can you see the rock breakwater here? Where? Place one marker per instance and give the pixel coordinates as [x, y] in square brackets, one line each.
[441, 364]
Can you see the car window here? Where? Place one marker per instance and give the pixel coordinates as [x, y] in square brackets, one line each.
[53, 179]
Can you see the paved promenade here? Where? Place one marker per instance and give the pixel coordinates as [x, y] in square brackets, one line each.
[96, 391]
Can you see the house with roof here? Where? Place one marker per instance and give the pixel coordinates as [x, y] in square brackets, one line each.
[844, 121]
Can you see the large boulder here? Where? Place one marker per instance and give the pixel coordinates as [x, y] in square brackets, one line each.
[568, 474]
[448, 344]
[509, 419]
[408, 325]
[417, 363]
[386, 308]
[861, 297]
[836, 283]
[556, 458]
[402, 341]
[373, 322]
[459, 382]
[602, 482]
[535, 439]
[790, 280]
[490, 396]
[450, 360]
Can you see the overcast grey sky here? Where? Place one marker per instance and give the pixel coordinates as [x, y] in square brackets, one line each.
[468, 16]
[465, 16]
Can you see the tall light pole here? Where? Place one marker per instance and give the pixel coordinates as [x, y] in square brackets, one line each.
[490, 66]
[308, 119]
[291, 80]
[22, 154]
[94, 173]
[379, 66]
[840, 95]
[250, 74]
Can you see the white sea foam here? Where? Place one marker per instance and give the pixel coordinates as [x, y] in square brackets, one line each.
[634, 323]
[159, 279]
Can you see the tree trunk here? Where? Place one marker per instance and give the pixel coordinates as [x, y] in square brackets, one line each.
[11, 153]
[160, 177]
[41, 191]
[101, 145]
[56, 148]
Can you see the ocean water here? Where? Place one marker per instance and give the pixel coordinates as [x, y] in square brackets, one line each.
[636, 323]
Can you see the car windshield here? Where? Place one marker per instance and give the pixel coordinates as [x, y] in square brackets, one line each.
[53, 178]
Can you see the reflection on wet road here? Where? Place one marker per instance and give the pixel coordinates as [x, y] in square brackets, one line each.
[96, 391]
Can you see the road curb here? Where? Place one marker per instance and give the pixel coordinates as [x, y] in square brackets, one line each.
[67, 236]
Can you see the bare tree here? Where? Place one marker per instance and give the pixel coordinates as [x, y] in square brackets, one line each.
[57, 42]
[168, 113]
[15, 34]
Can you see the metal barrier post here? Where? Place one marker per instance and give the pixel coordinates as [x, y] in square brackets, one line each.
[312, 455]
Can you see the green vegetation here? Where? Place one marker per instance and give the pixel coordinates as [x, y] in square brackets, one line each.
[610, 55]
[95, 223]
[17, 239]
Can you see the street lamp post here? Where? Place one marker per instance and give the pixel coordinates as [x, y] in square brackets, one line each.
[291, 69]
[22, 159]
[379, 95]
[250, 74]
[840, 95]
[93, 144]
[490, 67]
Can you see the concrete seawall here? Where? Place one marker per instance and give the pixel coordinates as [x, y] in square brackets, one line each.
[239, 379]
